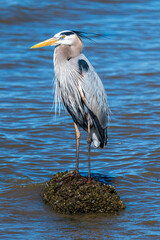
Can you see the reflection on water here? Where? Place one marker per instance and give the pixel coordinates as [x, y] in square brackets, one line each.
[35, 144]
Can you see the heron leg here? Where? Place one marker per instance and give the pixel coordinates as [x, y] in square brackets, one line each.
[77, 148]
[89, 147]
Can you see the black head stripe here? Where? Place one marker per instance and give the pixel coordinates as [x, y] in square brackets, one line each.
[67, 33]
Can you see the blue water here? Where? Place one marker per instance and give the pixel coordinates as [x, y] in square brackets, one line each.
[35, 144]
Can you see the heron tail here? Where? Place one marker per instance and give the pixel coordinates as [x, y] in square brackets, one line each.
[97, 140]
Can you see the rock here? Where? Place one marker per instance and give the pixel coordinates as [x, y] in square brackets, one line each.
[66, 194]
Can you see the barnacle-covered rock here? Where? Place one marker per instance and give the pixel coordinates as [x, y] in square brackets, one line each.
[67, 194]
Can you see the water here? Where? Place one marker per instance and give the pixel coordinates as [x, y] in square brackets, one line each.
[35, 145]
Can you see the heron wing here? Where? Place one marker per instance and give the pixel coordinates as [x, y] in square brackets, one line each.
[93, 94]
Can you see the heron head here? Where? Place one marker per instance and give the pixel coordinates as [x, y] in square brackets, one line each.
[66, 37]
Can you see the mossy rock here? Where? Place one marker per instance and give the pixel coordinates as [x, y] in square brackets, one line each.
[65, 194]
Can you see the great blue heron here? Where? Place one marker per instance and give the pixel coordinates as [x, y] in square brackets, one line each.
[80, 89]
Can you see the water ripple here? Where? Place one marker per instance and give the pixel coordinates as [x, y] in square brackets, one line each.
[35, 144]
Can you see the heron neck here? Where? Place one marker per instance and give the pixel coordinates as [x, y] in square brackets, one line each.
[66, 52]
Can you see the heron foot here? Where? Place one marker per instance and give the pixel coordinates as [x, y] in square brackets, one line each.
[76, 178]
[84, 181]
[89, 181]
[71, 175]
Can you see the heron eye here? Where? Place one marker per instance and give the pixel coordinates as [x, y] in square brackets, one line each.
[63, 36]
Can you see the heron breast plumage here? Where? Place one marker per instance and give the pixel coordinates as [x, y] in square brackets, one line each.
[73, 78]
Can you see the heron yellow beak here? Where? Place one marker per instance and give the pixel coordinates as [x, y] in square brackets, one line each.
[48, 42]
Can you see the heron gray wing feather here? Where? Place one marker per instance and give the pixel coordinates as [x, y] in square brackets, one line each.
[91, 86]
[93, 94]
